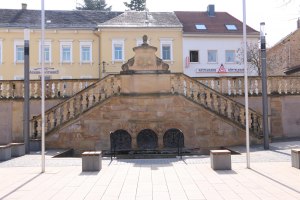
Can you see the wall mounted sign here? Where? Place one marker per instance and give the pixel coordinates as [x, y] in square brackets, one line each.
[48, 70]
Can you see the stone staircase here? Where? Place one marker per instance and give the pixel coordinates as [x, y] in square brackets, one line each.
[111, 86]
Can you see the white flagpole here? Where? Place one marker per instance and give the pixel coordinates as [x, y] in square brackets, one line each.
[43, 83]
[246, 85]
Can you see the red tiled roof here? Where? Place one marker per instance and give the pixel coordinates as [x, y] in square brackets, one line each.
[214, 25]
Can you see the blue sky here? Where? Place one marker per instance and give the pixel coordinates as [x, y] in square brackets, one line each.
[280, 19]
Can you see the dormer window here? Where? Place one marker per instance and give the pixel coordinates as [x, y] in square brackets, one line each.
[231, 27]
[200, 26]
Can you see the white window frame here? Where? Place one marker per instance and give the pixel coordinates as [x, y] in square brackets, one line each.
[233, 53]
[1, 52]
[46, 43]
[18, 43]
[116, 42]
[88, 44]
[66, 43]
[166, 42]
[216, 61]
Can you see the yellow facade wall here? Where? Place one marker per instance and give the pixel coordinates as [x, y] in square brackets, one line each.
[131, 36]
[9, 69]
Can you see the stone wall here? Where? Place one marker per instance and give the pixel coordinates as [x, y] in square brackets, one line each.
[200, 127]
[11, 115]
[284, 114]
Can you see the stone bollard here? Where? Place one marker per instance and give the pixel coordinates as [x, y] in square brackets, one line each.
[5, 152]
[295, 158]
[220, 159]
[91, 161]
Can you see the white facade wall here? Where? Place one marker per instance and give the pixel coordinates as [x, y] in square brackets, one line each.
[205, 69]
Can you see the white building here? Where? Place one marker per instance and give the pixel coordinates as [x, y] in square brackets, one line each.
[211, 41]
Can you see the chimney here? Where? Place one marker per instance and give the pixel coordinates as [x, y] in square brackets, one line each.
[298, 23]
[211, 10]
[24, 6]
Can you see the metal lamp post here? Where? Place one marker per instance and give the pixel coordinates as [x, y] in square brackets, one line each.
[26, 110]
[246, 85]
[43, 82]
[264, 85]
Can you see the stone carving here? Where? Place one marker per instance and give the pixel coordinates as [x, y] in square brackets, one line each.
[145, 61]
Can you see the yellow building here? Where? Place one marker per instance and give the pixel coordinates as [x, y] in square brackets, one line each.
[78, 44]
[120, 34]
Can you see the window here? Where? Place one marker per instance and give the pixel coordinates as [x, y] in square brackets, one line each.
[229, 56]
[86, 52]
[194, 56]
[166, 48]
[47, 52]
[118, 50]
[166, 52]
[212, 56]
[19, 51]
[200, 27]
[231, 27]
[1, 78]
[66, 52]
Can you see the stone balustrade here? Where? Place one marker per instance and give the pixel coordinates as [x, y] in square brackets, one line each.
[53, 88]
[76, 105]
[179, 84]
[232, 86]
[216, 102]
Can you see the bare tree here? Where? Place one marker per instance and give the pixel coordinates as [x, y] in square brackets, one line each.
[253, 57]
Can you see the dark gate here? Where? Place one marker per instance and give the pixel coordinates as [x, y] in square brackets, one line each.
[120, 140]
[147, 139]
[173, 138]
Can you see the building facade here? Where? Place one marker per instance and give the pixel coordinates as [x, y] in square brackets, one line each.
[284, 57]
[83, 44]
[212, 43]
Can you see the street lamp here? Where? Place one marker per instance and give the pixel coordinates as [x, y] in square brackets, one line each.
[264, 85]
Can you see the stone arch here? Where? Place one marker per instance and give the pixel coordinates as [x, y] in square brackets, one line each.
[147, 139]
[173, 137]
[120, 140]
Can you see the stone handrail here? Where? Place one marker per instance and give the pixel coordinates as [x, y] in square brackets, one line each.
[216, 102]
[53, 88]
[180, 84]
[76, 105]
[232, 86]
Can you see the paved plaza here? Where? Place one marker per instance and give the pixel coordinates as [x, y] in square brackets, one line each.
[270, 177]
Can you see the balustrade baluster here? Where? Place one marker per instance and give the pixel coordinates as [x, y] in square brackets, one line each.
[223, 106]
[229, 109]
[65, 112]
[58, 116]
[53, 90]
[280, 87]
[269, 86]
[35, 90]
[242, 116]
[285, 84]
[8, 90]
[38, 128]
[208, 98]
[229, 87]
[71, 107]
[90, 98]
[215, 104]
